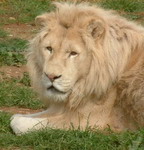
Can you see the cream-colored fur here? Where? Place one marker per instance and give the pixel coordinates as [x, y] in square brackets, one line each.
[94, 59]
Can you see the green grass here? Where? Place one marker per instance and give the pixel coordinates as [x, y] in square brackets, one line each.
[130, 9]
[25, 80]
[12, 51]
[13, 45]
[50, 139]
[10, 58]
[3, 33]
[18, 11]
[4, 123]
[23, 10]
[13, 93]
[124, 5]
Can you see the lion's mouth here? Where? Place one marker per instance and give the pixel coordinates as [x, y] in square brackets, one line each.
[55, 90]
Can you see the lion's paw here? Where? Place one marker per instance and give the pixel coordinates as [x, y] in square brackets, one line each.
[22, 124]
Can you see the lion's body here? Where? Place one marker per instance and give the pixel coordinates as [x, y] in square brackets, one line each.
[88, 65]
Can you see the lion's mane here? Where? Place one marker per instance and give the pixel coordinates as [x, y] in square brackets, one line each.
[111, 53]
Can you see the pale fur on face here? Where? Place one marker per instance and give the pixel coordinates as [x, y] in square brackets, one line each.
[102, 40]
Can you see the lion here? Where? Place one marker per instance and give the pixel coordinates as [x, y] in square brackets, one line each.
[87, 64]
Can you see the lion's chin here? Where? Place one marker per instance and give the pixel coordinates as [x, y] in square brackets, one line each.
[55, 90]
[54, 94]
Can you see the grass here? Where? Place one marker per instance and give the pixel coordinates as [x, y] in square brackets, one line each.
[17, 92]
[130, 9]
[50, 139]
[11, 59]
[4, 123]
[11, 51]
[13, 45]
[124, 5]
[23, 11]
[25, 80]
[3, 33]
[13, 93]
[18, 11]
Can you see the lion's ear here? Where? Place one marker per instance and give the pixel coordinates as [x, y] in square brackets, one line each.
[42, 20]
[96, 28]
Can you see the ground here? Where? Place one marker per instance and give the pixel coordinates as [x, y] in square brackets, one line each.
[12, 71]
[16, 95]
[22, 31]
[17, 110]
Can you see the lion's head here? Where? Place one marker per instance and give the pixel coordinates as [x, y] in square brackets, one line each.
[64, 60]
[77, 53]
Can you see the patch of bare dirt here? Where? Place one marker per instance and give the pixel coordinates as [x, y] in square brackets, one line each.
[23, 31]
[12, 72]
[17, 110]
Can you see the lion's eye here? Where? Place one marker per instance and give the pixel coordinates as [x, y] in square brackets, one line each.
[73, 54]
[49, 48]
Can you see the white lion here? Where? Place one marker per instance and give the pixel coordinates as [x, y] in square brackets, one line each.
[87, 64]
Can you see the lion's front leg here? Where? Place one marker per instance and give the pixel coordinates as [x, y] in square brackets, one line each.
[24, 123]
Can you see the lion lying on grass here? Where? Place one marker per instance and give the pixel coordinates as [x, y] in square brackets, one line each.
[87, 64]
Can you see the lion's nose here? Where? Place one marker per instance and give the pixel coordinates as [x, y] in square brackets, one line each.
[52, 77]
